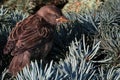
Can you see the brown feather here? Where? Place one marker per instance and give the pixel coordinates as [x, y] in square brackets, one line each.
[18, 62]
[33, 33]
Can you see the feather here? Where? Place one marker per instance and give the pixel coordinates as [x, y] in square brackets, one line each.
[33, 33]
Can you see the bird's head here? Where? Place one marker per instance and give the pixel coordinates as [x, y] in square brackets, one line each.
[52, 14]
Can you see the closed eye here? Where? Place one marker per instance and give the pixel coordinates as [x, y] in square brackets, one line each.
[53, 15]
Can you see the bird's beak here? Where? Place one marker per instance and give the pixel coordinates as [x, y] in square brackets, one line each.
[62, 19]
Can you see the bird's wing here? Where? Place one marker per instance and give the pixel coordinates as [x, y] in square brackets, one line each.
[34, 32]
[13, 37]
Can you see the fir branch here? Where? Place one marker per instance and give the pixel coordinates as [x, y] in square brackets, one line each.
[74, 67]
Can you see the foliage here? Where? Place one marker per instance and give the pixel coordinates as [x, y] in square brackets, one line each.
[82, 6]
[78, 65]
[72, 58]
[110, 29]
[110, 74]
[31, 6]
[17, 4]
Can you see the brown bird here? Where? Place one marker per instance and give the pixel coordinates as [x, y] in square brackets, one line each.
[36, 31]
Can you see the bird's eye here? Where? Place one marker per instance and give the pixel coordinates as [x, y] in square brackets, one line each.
[53, 16]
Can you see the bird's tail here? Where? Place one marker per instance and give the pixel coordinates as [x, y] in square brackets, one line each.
[18, 62]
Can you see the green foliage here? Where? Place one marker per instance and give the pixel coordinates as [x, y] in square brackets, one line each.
[109, 74]
[67, 32]
[72, 58]
[81, 6]
[78, 65]
[17, 4]
[31, 6]
[9, 18]
[36, 72]
[110, 29]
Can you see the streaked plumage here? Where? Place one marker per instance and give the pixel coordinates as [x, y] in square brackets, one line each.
[36, 31]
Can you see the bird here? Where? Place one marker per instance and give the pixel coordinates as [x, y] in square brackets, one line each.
[34, 32]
